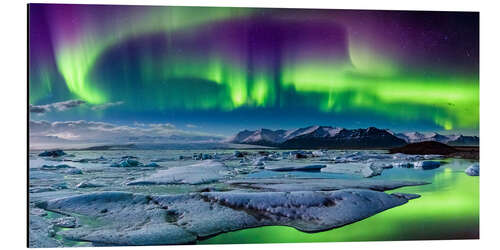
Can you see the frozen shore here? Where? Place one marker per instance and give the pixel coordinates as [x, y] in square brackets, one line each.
[133, 198]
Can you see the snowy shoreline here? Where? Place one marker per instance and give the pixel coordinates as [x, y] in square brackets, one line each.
[132, 192]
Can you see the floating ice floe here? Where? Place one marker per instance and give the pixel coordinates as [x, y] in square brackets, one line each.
[318, 153]
[162, 159]
[136, 219]
[204, 172]
[129, 157]
[73, 171]
[371, 170]
[127, 163]
[86, 184]
[293, 166]
[403, 164]
[52, 153]
[66, 221]
[55, 167]
[40, 232]
[101, 159]
[346, 168]
[202, 156]
[62, 168]
[317, 184]
[50, 188]
[473, 170]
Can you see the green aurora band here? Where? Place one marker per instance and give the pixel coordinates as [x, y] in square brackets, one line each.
[368, 80]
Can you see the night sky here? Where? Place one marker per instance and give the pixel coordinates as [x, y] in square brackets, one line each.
[220, 70]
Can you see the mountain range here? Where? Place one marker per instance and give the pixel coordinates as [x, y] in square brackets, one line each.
[336, 138]
[453, 140]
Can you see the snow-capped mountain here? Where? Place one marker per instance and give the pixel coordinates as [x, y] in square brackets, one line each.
[463, 140]
[412, 137]
[265, 136]
[319, 137]
[312, 131]
[242, 135]
[334, 137]
[456, 140]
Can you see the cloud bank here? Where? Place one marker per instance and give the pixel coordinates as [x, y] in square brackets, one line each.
[90, 132]
[69, 104]
[56, 106]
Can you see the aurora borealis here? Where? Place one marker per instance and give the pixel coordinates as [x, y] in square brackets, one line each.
[226, 69]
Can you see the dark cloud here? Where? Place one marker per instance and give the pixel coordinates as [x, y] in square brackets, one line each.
[61, 106]
[56, 106]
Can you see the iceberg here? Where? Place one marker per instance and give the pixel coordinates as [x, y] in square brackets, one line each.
[136, 219]
[292, 166]
[52, 153]
[426, 165]
[473, 170]
[205, 172]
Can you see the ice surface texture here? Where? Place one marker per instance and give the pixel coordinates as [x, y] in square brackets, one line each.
[137, 219]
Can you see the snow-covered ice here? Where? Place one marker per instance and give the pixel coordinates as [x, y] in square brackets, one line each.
[473, 170]
[137, 219]
[204, 172]
[151, 197]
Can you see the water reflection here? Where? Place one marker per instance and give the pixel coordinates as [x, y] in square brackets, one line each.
[448, 209]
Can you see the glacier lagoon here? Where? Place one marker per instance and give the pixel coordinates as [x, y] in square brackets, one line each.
[447, 209]
[448, 206]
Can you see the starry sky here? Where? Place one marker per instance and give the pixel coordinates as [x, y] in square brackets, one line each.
[221, 70]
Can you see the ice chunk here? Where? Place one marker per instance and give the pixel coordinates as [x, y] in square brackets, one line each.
[403, 165]
[52, 153]
[55, 167]
[164, 159]
[40, 232]
[258, 162]
[127, 163]
[316, 184]
[371, 170]
[136, 219]
[73, 171]
[346, 168]
[308, 211]
[292, 166]
[129, 157]
[318, 153]
[62, 168]
[126, 219]
[152, 165]
[473, 170]
[426, 165]
[66, 221]
[85, 184]
[205, 172]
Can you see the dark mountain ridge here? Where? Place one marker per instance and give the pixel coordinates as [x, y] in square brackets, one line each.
[329, 137]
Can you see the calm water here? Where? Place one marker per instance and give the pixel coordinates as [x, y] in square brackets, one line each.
[448, 209]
